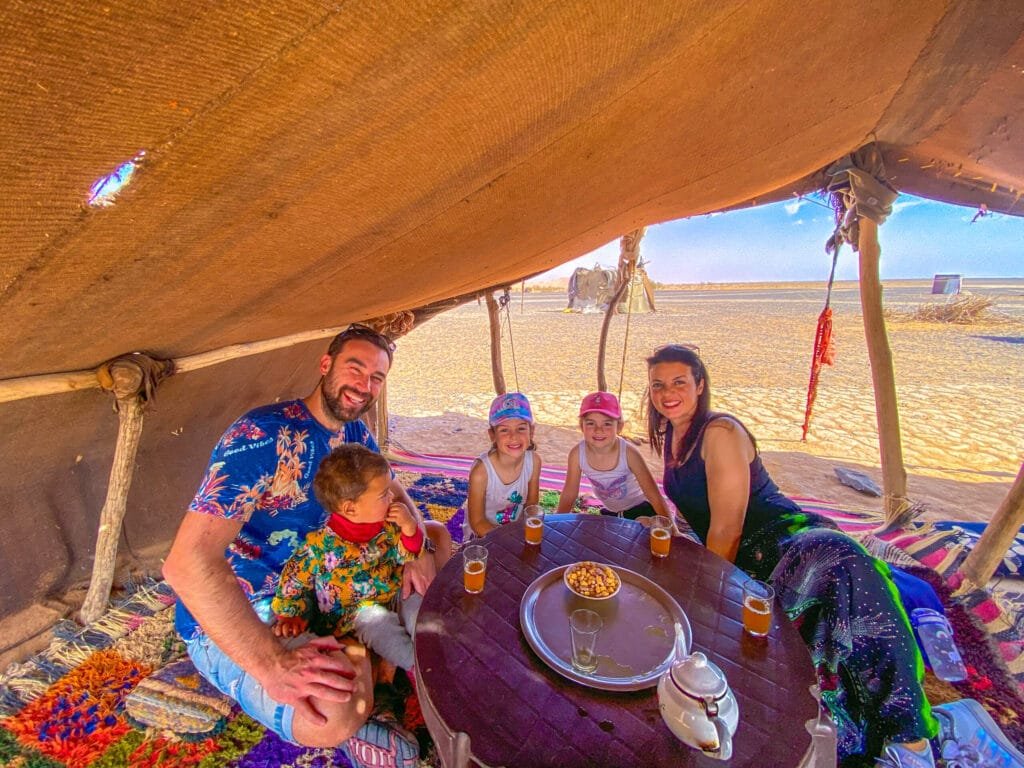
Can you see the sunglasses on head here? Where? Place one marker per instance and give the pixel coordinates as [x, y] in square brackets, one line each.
[360, 331]
[670, 347]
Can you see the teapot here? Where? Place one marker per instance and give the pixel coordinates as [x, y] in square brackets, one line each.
[696, 702]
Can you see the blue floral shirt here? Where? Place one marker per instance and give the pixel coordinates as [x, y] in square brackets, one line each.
[261, 473]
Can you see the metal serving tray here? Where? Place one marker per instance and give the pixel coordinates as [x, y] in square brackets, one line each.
[634, 647]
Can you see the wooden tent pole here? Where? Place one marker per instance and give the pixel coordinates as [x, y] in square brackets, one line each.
[497, 371]
[894, 475]
[376, 418]
[380, 410]
[69, 381]
[602, 381]
[629, 250]
[998, 537]
[127, 386]
[57, 383]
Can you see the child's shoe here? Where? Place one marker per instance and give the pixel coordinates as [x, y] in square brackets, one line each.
[902, 756]
[382, 744]
[969, 737]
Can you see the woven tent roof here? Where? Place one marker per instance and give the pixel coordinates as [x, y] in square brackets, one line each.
[311, 163]
[358, 158]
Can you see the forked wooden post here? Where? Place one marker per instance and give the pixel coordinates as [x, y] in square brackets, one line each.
[629, 252]
[999, 534]
[497, 370]
[127, 385]
[894, 475]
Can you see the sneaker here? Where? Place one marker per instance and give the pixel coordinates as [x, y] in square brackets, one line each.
[902, 756]
[969, 738]
[380, 745]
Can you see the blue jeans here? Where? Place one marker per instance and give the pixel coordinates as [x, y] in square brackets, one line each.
[231, 680]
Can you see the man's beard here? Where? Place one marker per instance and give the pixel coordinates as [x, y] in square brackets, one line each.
[332, 404]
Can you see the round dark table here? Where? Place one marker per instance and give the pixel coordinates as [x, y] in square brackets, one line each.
[480, 679]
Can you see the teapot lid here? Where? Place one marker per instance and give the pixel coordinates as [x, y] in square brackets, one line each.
[699, 678]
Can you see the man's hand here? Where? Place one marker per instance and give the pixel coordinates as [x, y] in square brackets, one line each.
[320, 669]
[290, 626]
[418, 574]
[402, 516]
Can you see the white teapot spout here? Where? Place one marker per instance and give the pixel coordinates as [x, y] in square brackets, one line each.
[682, 651]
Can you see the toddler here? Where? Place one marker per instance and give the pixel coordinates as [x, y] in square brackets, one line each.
[615, 469]
[347, 575]
[507, 477]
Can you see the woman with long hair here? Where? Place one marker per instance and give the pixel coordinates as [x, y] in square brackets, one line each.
[842, 599]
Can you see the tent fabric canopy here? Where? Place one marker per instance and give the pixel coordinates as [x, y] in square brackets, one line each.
[360, 158]
[307, 164]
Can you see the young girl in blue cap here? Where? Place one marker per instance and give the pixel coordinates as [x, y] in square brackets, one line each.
[506, 477]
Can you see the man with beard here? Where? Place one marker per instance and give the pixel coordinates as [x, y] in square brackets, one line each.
[253, 507]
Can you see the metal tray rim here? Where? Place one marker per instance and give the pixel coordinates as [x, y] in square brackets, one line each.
[637, 683]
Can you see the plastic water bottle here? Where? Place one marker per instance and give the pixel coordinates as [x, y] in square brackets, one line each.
[936, 639]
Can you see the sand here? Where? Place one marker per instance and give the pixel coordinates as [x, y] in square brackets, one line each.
[958, 386]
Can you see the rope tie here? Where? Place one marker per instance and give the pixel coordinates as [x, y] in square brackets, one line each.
[504, 303]
[135, 374]
[393, 326]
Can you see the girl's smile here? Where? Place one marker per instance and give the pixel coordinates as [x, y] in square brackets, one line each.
[513, 436]
[599, 431]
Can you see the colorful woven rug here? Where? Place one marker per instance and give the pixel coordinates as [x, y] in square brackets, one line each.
[78, 703]
[70, 705]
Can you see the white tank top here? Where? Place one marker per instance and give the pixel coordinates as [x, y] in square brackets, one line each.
[617, 488]
[503, 502]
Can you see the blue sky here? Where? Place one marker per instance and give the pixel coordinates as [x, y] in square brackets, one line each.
[786, 241]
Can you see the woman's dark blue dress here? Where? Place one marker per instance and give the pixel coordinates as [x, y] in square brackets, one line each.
[840, 597]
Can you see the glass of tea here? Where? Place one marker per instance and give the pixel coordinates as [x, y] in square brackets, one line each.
[661, 536]
[533, 519]
[757, 607]
[474, 568]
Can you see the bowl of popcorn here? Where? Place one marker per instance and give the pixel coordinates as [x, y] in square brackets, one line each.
[593, 581]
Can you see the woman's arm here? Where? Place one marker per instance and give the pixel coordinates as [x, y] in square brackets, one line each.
[533, 489]
[643, 476]
[571, 488]
[727, 456]
[475, 502]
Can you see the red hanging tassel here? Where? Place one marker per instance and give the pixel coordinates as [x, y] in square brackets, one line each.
[824, 354]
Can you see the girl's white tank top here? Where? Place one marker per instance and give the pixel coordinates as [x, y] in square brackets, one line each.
[503, 502]
[617, 488]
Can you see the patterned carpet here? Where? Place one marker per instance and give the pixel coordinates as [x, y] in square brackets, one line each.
[84, 700]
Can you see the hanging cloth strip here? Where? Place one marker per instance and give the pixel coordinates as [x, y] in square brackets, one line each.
[824, 348]
[858, 187]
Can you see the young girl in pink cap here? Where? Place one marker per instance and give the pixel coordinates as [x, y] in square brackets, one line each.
[615, 469]
[506, 477]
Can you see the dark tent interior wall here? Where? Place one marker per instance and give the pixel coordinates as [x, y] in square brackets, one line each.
[302, 165]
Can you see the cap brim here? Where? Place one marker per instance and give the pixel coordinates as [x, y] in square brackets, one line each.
[610, 415]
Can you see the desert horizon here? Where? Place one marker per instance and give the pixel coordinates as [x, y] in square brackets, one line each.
[958, 385]
[543, 284]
